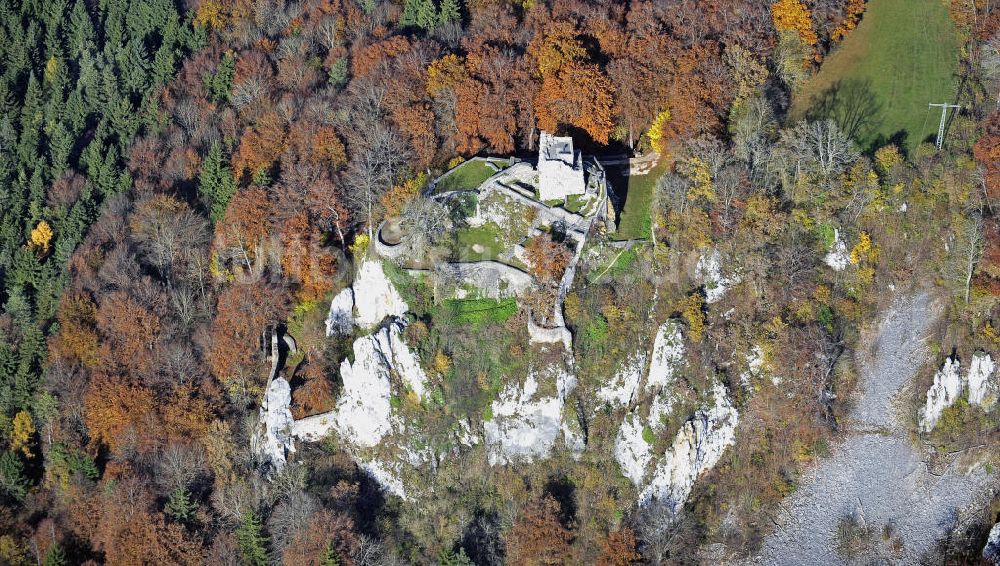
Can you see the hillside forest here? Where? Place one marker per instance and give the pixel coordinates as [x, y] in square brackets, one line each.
[177, 176]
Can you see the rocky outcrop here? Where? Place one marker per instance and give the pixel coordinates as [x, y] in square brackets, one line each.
[983, 386]
[633, 453]
[991, 552]
[949, 383]
[274, 439]
[668, 353]
[945, 390]
[837, 258]
[375, 297]
[363, 415]
[622, 387]
[524, 425]
[340, 320]
[709, 272]
[697, 447]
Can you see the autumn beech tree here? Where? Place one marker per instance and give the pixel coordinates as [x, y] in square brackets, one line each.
[538, 538]
[243, 312]
[574, 91]
[244, 228]
[305, 259]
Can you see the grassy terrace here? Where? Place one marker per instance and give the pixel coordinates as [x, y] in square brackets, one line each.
[635, 221]
[877, 84]
[468, 176]
[485, 236]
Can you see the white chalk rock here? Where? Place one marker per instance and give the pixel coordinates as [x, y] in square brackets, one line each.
[375, 297]
[668, 354]
[340, 320]
[697, 447]
[623, 386]
[982, 385]
[363, 414]
[274, 440]
[524, 426]
[947, 388]
[632, 451]
[837, 258]
[709, 272]
[991, 552]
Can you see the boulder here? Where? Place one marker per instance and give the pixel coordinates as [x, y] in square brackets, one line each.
[837, 258]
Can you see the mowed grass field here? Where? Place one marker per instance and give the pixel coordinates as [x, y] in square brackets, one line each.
[878, 82]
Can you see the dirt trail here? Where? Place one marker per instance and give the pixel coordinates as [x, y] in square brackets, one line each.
[876, 472]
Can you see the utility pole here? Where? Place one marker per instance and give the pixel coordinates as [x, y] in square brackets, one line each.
[944, 117]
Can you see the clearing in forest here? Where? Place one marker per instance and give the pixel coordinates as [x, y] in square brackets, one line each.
[878, 82]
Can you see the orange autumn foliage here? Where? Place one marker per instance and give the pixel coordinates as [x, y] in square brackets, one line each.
[538, 537]
[260, 146]
[580, 95]
[116, 411]
[793, 15]
[305, 259]
[77, 337]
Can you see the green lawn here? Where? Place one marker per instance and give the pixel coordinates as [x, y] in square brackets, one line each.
[478, 311]
[467, 176]
[878, 82]
[486, 236]
[635, 221]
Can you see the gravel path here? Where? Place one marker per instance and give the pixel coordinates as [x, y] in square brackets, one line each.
[876, 472]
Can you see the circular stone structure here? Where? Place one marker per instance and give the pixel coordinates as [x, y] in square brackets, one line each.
[391, 233]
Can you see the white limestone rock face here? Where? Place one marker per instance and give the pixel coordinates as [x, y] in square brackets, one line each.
[991, 552]
[837, 258]
[709, 272]
[274, 440]
[623, 386]
[947, 387]
[363, 415]
[668, 353]
[525, 426]
[632, 451]
[697, 447]
[983, 388]
[340, 320]
[375, 297]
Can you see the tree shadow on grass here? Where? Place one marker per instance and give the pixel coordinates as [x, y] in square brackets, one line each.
[852, 105]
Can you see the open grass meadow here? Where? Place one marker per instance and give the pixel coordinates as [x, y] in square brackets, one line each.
[635, 219]
[877, 84]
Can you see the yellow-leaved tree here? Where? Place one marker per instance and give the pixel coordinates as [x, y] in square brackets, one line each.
[41, 236]
[22, 437]
[793, 15]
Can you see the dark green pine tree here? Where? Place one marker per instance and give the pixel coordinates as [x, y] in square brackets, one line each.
[410, 10]
[251, 540]
[81, 30]
[216, 184]
[427, 17]
[329, 557]
[180, 507]
[451, 12]
[55, 556]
